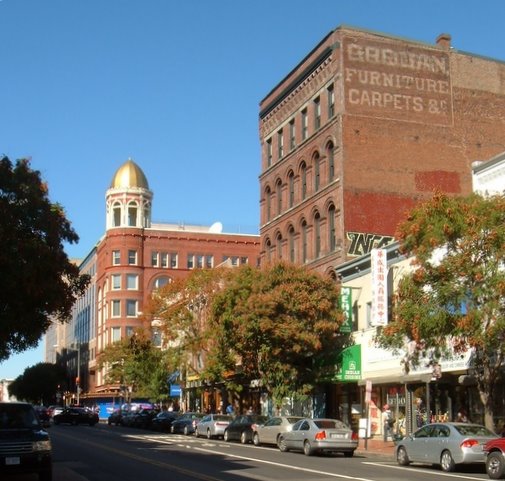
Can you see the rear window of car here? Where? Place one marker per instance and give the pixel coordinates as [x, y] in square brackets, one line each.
[473, 430]
[330, 424]
[16, 416]
[222, 418]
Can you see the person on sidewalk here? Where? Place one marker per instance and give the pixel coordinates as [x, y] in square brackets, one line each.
[388, 422]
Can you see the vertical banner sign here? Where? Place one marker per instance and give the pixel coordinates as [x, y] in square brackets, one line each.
[379, 287]
[346, 306]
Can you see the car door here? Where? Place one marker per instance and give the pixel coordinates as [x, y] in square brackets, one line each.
[299, 435]
[438, 442]
[268, 433]
[417, 448]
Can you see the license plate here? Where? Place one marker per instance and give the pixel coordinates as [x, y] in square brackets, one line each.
[334, 435]
[12, 461]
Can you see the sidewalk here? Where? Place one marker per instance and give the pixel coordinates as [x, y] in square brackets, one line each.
[376, 447]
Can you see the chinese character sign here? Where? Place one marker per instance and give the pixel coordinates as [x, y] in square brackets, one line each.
[379, 287]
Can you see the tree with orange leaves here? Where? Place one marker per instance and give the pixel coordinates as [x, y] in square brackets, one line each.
[454, 299]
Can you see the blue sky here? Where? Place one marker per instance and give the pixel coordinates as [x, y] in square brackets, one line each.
[175, 85]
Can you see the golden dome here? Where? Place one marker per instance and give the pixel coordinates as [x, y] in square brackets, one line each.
[129, 175]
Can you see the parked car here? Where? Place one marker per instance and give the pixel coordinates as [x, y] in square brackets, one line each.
[319, 436]
[24, 446]
[242, 427]
[52, 410]
[186, 423]
[213, 425]
[75, 415]
[445, 444]
[43, 415]
[270, 432]
[143, 417]
[495, 458]
[163, 421]
[115, 417]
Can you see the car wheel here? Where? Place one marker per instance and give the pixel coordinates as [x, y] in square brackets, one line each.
[243, 437]
[256, 439]
[307, 449]
[402, 458]
[226, 436]
[46, 475]
[446, 462]
[281, 443]
[495, 465]
[186, 430]
[209, 434]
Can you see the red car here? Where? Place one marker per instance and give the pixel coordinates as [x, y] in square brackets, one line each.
[495, 458]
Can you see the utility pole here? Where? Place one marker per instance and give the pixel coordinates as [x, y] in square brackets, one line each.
[78, 380]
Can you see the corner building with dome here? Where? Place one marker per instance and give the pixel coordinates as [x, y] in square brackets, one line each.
[134, 257]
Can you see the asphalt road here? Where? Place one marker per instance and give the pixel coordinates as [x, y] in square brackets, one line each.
[110, 453]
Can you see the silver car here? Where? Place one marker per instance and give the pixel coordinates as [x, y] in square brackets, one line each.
[445, 444]
[270, 432]
[319, 435]
[213, 425]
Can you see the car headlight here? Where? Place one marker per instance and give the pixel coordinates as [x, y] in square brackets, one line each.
[42, 445]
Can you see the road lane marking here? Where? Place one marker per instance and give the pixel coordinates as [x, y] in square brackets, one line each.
[424, 471]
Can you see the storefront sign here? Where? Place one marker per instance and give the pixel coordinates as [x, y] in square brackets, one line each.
[346, 306]
[350, 364]
[378, 259]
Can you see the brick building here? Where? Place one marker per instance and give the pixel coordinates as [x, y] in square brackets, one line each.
[360, 130]
[134, 257]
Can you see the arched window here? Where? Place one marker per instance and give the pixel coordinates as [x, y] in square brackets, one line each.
[268, 205]
[132, 214]
[147, 214]
[161, 281]
[291, 244]
[305, 230]
[291, 186]
[332, 239]
[317, 235]
[303, 179]
[268, 250]
[331, 161]
[278, 246]
[317, 173]
[278, 193]
[116, 215]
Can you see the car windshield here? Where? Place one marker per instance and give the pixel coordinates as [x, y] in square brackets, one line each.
[17, 416]
[473, 430]
[330, 424]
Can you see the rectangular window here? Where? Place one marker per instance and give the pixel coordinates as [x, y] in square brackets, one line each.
[131, 308]
[173, 260]
[164, 259]
[129, 331]
[132, 282]
[116, 258]
[115, 334]
[154, 258]
[132, 257]
[305, 125]
[244, 260]
[116, 282]
[199, 261]
[209, 261]
[191, 261]
[317, 113]
[269, 152]
[292, 132]
[280, 144]
[369, 314]
[156, 340]
[116, 308]
[331, 102]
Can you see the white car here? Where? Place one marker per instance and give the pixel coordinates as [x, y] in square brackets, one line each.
[270, 432]
[212, 425]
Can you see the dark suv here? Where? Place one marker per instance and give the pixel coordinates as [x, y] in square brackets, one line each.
[24, 445]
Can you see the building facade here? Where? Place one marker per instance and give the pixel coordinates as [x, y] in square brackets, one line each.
[134, 257]
[365, 126]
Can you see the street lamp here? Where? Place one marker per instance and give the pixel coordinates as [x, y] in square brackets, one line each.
[78, 378]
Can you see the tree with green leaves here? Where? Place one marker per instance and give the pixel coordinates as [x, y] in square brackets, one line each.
[38, 282]
[279, 324]
[136, 363]
[454, 299]
[39, 383]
